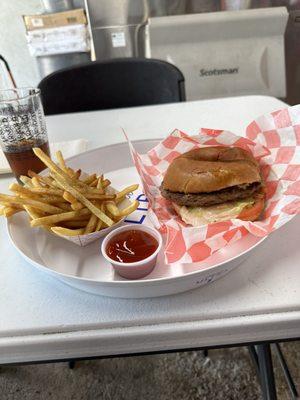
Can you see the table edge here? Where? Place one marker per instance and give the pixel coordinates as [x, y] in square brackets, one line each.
[149, 338]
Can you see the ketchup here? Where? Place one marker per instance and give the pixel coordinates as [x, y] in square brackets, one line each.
[131, 246]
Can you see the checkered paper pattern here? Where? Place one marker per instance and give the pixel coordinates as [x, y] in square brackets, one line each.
[273, 139]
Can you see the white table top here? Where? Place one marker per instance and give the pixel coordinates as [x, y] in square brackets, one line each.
[42, 319]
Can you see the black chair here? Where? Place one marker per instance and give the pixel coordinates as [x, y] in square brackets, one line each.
[117, 83]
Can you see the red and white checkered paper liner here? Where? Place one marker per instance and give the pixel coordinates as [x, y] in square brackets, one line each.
[273, 139]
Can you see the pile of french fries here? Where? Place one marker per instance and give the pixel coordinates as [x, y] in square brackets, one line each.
[64, 202]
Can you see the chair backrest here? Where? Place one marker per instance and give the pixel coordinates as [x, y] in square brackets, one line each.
[117, 83]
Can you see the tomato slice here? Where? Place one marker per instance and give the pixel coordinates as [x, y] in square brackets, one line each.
[253, 212]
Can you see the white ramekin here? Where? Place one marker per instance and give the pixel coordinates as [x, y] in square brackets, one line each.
[137, 269]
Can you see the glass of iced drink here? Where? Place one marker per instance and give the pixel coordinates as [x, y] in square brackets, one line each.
[22, 127]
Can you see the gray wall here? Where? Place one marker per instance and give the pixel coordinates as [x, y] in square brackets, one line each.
[13, 45]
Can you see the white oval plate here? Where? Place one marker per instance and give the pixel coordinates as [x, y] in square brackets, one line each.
[85, 268]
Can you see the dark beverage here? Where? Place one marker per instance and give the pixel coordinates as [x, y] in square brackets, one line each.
[22, 158]
[22, 127]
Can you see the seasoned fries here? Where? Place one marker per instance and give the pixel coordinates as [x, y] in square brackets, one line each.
[112, 208]
[91, 225]
[67, 232]
[66, 202]
[61, 161]
[125, 191]
[90, 179]
[19, 201]
[26, 180]
[9, 211]
[53, 219]
[36, 182]
[84, 200]
[33, 213]
[128, 210]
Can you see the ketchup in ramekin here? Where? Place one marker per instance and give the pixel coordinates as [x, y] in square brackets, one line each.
[130, 246]
[132, 250]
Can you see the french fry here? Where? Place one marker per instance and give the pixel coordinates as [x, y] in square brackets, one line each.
[70, 172]
[119, 200]
[9, 211]
[24, 192]
[92, 190]
[47, 191]
[50, 199]
[128, 210]
[127, 190]
[91, 225]
[13, 200]
[99, 225]
[9, 204]
[60, 186]
[74, 174]
[62, 203]
[75, 224]
[77, 205]
[27, 181]
[67, 232]
[99, 183]
[93, 196]
[31, 194]
[64, 206]
[77, 174]
[94, 183]
[54, 168]
[83, 218]
[54, 184]
[112, 208]
[15, 187]
[33, 213]
[36, 182]
[106, 183]
[32, 174]
[89, 179]
[86, 190]
[43, 199]
[84, 200]
[98, 196]
[54, 219]
[44, 179]
[68, 197]
[61, 161]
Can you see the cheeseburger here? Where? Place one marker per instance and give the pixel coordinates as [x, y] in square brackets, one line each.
[214, 184]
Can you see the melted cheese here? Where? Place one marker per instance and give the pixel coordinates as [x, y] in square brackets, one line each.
[198, 216]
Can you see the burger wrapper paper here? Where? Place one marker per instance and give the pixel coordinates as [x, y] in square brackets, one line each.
[273, 139]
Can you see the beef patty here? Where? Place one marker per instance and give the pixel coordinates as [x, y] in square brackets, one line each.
[208, 199]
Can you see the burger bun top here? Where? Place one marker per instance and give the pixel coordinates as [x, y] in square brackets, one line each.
[210, 169]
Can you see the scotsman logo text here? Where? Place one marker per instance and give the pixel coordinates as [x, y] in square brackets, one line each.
[215, 71]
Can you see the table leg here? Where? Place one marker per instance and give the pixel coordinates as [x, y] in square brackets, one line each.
[286, 372]
[254, 358]
[266, 371]
[205, 352]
